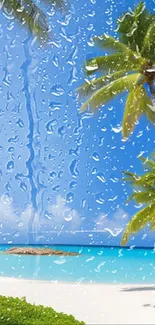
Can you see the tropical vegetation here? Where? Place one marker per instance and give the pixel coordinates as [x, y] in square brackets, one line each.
[128, 67]
[31, 16]
[143, 194]
[14, 311]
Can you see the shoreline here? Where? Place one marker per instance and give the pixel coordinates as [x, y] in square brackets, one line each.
[91, 303]
[140, 284]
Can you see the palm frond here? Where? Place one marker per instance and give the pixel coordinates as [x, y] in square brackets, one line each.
[110, 43]
[114, 88]
[152, 225]
[114, 62]
[107, 42]
[148, 179]
[148, 163]
[145, 181]
[92, 85]
[144, 197]
[131, 175]
[28, 14]
[137, 104]
[149, 43]
[138, 222]
[132, 26]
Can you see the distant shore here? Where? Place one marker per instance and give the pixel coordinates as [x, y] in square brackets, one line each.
[78, 245]
[92, 303]
[37, 251]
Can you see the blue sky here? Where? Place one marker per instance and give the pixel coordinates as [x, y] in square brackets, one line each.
[61, 172]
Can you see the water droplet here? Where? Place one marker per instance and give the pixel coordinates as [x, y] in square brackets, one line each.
[55, 61]
[50, 126]
[73, 185]
[10, 165]
[83, 203]
[92, 67]
[60, 261]
[114, 180]
[56, 188]
[11, 149]
[52, 174]
[69, 197]
[20, 123]
[99, 198]
[99, 266]
[57, 90]
[14, 139]
[73, 168]
[94, 171]
[90, 259]
[61, 131]
[23, 186]
[101, 177]
[117, 129]
[68, 215]
[55, 106]
[113, 199]
[96, 156]
[60, 174]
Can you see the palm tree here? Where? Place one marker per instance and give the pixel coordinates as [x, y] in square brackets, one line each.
[126, 69]
[132, 26]
[30, 15]
[144, 193]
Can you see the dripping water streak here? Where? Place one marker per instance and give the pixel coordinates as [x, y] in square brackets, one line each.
[29, 162]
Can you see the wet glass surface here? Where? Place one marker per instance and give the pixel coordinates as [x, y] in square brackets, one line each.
[61, 170]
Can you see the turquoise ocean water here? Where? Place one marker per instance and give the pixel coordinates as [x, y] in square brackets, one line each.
[93, 265]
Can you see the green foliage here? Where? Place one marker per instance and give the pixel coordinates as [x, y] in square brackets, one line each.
[14, 311]
[29, 14]
[133, 54]
[144, 193]
[125, 59]
[138, 222]
[91, 86]
[114, 88]
[132, 26]
[137, 104]
[107, 42]
[148, 49]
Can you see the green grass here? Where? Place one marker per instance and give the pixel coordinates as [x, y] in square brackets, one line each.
[15, 311]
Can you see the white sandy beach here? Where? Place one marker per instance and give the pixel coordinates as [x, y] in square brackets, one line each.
[94, 304]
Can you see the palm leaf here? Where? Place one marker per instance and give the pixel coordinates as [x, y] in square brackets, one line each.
[92, 85]
[147, 162]
[132, 26]
[144, 197]
[138, 222]
[145, 181]
[110, 43]
[132, 176]
[148, 178]
[136, 105]
[114, 62]
[138, 181]
[107, 42]
[152, 226]
[29, 14]
[106, 93]
[148, 49]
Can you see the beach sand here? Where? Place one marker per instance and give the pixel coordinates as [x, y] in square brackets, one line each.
[92, 303]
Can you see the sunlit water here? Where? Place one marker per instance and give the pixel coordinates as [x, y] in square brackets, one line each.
[93, 265]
